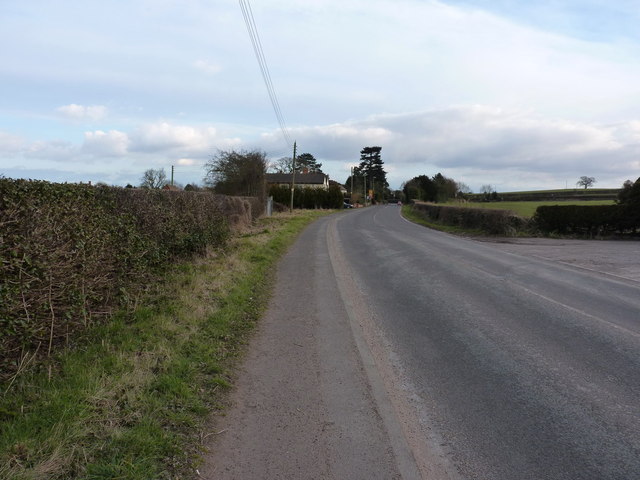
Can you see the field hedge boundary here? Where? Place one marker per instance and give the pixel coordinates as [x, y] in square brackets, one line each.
[576, 220]
[492, 222]
[559, 195]
[71, 253]
[587, 220]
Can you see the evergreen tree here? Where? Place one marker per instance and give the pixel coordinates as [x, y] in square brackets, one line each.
[371, 166]
[308, 161]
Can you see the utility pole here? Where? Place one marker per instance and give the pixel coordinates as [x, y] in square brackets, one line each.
[373, 189]
[365, 189]
[172, 175]
[351, 199]
[293, 176]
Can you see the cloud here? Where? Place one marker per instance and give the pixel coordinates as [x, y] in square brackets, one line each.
[182, 140]
[106, 144]
[10, 144]
[54, 150]
[484, 144]
[207, 67]
[83, 113]
[187, 162]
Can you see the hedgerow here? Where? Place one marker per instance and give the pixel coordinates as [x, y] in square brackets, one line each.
[309, 198]
[585, 219]
[493, 222]
[71, 253]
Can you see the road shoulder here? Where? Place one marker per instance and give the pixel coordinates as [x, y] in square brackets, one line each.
[302, 405]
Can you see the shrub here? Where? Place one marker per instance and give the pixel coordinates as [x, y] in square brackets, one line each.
[71, 252]
[308, 198]
[581, 219]
[494, 222]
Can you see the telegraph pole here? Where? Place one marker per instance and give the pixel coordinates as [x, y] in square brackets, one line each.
[351, 199]
[365, 189]
[293, 176]
[172, 175]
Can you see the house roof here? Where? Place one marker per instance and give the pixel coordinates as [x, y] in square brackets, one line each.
[301, 178]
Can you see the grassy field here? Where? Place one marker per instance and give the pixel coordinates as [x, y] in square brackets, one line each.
[593, 191]
[527, 209]
[132, 400]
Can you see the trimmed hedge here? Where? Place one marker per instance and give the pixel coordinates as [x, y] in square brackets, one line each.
[308, 198]
[585, 219]
[493, 222]
[71, 253]
[557, 195]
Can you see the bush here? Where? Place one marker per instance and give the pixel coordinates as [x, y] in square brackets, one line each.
[493, 222]
[582, 219]
[308, 198]
[71, 252]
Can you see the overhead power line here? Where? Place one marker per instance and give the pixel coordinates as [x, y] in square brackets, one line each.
[249, 21]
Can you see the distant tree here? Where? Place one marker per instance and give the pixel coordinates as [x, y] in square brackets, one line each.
[192, 187]
[446, 188]
[630, 194]
[154, 178]
[371, 171]
[281, 165]
[487, 189]
[308, 161]
[237, 173]
[463, 188]
[303, 161]
[427, 188]
[629, 199]
[129, 186]
[430, 189]
[586, 182]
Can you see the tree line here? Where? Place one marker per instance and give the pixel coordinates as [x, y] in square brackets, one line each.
[437, 189]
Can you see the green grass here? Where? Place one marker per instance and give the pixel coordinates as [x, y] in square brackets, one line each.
[563, 190]
[526, 209]
[131, 400]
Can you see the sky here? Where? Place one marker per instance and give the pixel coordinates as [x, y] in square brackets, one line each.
[516, 95]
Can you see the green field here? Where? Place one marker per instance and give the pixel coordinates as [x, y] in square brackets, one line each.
[528, 208]
[560, 195]
[577, 191]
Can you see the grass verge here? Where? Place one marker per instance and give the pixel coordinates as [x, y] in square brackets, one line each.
[131, 400]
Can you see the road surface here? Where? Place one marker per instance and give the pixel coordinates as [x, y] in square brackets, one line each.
[394, 351]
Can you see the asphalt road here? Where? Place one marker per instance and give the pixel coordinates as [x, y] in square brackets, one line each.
[394, 351]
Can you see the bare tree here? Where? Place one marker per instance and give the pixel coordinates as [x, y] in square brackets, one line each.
[154, 178]
[304, 161]
[463, 188]
[281, 165]
[237, 173]
[586, 182]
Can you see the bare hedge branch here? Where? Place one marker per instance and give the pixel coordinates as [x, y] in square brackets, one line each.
[71, 253]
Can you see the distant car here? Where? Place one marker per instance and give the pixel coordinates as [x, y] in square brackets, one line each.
[347, 205]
